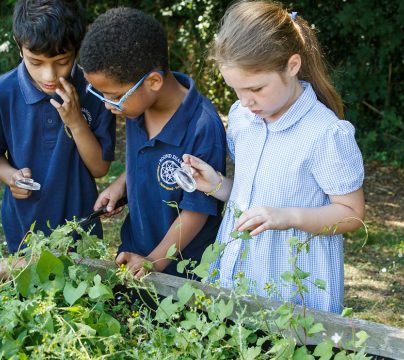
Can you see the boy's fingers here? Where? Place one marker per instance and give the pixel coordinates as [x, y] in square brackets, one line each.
[26, 172]
[122, 258]
[66, 85]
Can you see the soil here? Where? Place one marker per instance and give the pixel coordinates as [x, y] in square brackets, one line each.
[374, 272]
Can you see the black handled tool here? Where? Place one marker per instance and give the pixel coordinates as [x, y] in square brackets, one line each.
[96, 214]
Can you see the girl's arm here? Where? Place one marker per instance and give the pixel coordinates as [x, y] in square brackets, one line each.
[87, 144]
[181, 233]
[207, 179]
[345, 213]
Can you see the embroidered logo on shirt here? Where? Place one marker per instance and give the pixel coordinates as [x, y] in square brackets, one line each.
[165, 169]
[87, 116]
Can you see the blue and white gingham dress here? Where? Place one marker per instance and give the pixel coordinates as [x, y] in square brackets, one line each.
[297, 161]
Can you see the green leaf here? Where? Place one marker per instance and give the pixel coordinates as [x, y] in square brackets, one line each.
[72, 294]
[201, 270]
[171, 251]
[27, 281]
[347, 312]
[172, 204]
[341, 356]
[234, 234]
[316, 328]
[184, 293]
[182, 265]
[324, 350]
[302, 274]
[107, 325]
[321, 284]
[362, 337]
[148, 265]
[99, 290]
[50, 271]
[224, 310]
[287, 276]
[301, 353]
[245, 235]
[216, 334]
[251, 353]
[166, 309]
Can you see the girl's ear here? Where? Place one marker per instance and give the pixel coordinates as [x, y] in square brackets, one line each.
[294, 64]
[155, 81]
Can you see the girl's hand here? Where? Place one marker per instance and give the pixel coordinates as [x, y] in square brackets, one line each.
[134, 263]
[17, 192]
[264, 218]
[205, 176]
[70, 110]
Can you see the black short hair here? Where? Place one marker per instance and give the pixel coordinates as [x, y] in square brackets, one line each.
[124, 43]
[50, 27]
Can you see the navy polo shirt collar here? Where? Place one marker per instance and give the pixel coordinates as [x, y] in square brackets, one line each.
[175, 129]
[29, 91]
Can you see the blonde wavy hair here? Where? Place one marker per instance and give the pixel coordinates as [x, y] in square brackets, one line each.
[260, 36]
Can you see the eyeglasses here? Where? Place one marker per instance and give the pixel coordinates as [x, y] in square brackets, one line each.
[118, 104]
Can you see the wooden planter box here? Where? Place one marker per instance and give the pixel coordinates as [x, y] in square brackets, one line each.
[384, 341]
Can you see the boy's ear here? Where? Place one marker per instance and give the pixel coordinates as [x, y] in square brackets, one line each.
[294, 64]
[155, 81]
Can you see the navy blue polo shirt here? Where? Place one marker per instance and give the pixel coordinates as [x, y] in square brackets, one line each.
[195, 129]
[33, 135]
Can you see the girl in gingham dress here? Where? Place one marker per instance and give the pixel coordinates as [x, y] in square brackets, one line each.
[298, 169]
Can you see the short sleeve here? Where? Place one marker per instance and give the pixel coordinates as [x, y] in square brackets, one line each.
[337, 164]
[230, 132]
[104, 129]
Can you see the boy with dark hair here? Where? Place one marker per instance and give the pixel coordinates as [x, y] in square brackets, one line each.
[125, 59]
[51, 129]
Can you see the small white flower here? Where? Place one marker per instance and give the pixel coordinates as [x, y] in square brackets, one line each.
[179, 329]
[336, 338]
[5, 47]
[400, 254]
[384, 270]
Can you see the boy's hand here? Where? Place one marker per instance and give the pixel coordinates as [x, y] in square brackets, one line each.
[134, 263]
[109, 198]
[205, 176]
[17, 192]
[264, 218]
[70, 110]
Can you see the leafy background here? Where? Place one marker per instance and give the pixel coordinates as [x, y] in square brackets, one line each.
[362, 41]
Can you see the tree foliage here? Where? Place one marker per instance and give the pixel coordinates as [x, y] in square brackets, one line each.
[361, 38]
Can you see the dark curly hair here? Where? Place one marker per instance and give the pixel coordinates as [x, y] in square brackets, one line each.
[50, 27]
[124, 43]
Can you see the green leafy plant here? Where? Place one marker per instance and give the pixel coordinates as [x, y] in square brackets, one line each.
[55, 303]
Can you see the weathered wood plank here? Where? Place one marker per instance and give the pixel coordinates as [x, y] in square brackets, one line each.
[385, 341]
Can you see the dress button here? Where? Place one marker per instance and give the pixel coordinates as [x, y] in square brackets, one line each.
[50, 121]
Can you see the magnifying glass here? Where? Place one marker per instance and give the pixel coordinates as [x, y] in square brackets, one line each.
[27, 184]
[184, 179]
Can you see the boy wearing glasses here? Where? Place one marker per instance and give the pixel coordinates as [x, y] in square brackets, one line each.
[125, 59]
[51, 129]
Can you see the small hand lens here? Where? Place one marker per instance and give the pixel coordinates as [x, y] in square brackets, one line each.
[27, 184]
[184, 179]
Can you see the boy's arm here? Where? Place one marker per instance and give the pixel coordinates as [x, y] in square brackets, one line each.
[87, 144]
[181, 233]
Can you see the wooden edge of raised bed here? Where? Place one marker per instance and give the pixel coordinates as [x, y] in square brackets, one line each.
[383, 340]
